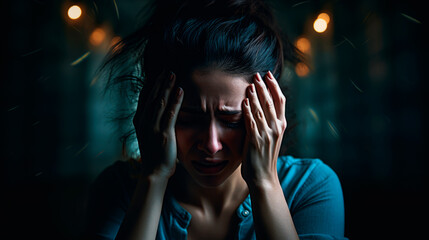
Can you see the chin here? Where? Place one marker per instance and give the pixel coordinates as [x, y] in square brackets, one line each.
[212, 180]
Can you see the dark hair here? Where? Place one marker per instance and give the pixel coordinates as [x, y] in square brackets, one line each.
[234, 36]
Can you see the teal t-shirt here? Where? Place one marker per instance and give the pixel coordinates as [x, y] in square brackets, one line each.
[312, 191]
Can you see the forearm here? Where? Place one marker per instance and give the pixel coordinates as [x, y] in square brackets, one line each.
[271, 213]
[142, 217]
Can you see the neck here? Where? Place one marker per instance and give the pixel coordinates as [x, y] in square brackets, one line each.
[230, 193]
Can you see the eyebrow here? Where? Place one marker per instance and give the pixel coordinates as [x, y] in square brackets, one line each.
[196, 110]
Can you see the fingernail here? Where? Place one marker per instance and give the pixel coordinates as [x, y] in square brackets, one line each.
[252, 88]
[179, 92]
[172, 75]
[270, 75]
[246, 102]
[258, 77]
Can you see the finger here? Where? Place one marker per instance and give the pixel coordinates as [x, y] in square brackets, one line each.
[171, 113]
[255, 106]
[266, 101]
[146, 96]
[278, 96]
[247, 118]
[160, 84]
[249, 122]
[162, 100]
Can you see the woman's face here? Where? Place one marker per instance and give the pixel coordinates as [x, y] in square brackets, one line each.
[210, 130]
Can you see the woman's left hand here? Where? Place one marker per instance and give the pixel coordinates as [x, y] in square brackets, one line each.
[265, 121]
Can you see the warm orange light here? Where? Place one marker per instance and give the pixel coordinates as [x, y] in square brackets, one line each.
[115, 44]
[115, 40]
[303, 44]
[320, 25]
[97, 36]
[325, 17]
[74, 12]
[301, 70]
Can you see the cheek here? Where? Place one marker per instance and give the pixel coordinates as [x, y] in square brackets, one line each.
[235, 141]
[184, 139]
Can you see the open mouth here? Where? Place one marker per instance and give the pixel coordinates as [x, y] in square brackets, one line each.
[209, 167]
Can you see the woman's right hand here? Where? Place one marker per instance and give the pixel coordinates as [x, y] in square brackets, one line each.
[154, 122]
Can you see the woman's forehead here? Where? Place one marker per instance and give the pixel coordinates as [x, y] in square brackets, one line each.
[216, 90]
[216, 83]
[202, 103]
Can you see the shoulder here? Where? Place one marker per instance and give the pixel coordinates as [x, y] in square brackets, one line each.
[304, 178]
[314, 196]
[303, 168]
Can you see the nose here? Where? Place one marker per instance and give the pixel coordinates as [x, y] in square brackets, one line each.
[211, 143]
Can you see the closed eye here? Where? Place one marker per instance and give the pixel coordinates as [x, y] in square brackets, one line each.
[234, 125]
[191, 119]
[232, 121]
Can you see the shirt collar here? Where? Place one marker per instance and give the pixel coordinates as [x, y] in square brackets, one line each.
[171, 205]
[184, 217]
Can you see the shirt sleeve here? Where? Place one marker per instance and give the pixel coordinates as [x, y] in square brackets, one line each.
[318, 212]
[107, 203]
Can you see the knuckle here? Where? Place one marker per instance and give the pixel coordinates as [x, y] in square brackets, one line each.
[259, 114]
[162, 102]
[270, 104]
[164, 138]
[248, 114]
[276, 132]
[284, 125]
[253, 125]
[171, 114]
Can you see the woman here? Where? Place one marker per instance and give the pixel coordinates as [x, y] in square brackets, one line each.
[209, 123]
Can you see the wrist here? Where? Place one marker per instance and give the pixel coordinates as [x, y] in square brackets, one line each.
[159, 173]
[154, 178]
[150, 185]
[264, 185]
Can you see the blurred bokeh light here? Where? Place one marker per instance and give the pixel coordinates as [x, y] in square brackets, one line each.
[325, 17]
[320, 25]
[303, 44]
[97, 36]
[74, 12]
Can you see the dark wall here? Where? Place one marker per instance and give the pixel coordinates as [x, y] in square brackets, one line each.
[361, 109]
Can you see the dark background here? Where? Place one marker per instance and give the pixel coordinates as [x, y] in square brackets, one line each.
[361, 109]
